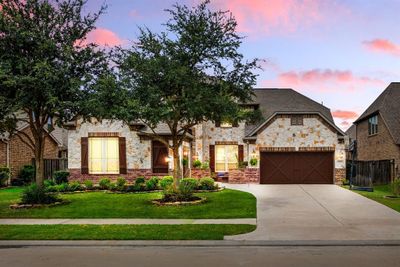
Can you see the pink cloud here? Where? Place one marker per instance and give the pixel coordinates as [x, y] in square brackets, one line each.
[266, 16]
[344, 114]
[382, 45]
[322, 80]
[134, 14]
[345, 124]
[103, 37]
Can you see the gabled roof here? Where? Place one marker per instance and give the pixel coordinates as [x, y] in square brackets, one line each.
[388, 106]
[273, 101]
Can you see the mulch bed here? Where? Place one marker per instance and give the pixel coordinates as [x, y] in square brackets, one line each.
[196, 201]
[33, 206]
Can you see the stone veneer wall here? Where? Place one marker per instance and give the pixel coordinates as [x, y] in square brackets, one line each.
[241, 176]
[200, 173]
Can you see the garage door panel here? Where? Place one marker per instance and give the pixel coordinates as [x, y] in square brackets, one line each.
[296, 167]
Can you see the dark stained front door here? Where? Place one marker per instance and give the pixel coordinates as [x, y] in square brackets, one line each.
[296, 168]
[159, 157]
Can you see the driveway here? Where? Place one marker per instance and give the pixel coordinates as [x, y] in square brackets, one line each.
[318, 212]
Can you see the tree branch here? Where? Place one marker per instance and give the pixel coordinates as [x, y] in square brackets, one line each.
[30, 144]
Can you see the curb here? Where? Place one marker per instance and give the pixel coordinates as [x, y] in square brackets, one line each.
[196, 243]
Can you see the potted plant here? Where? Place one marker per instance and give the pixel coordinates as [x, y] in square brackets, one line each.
[253, 162]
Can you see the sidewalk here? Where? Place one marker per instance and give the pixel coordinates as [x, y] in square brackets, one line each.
[252, 221]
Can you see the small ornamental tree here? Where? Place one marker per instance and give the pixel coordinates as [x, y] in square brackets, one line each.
[47, 69]
[191, 73]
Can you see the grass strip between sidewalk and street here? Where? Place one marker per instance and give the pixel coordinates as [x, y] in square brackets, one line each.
[123, 232]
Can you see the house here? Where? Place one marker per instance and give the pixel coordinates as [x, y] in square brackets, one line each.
[377, 130]
[296, 142]
[14, 153]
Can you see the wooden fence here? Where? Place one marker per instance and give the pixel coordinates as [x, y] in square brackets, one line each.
[53, 165]
[368, 173]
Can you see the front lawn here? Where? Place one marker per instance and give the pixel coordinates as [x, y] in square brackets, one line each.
[219, 205]
[122, 232]
[378, 195]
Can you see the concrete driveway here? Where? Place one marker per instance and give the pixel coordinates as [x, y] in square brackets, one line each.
[318, 212]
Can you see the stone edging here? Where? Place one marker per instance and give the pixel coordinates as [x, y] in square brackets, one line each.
[33, 206]
[178, 203]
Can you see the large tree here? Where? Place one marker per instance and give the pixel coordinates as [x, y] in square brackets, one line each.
[191, 73]
[47, 69]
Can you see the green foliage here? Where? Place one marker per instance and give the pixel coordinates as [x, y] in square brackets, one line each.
[35, 194]
[88, 184]
[5, 174]
[27, 174]
[189, 182]
[120, 184]
[207, 183]
[48, 183]
[140, 184]
[166, 181]
[197, 163]
[205, 165]
[253, 162]
[185, 162]
[395, 187]
[61, 177]
[242, 164]
[105, 183]
[152, 183]
[48, 72]
[75, 186]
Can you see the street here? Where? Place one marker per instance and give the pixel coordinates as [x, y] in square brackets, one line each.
[201, 256]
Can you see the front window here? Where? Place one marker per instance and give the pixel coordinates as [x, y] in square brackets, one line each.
[373, 125]
[226, 157]
[103, 155]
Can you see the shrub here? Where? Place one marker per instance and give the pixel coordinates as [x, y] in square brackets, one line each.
[27, 174]
[34, 194]
[5, 174]
[140, 184]
[253, 162]
[60, 177]
[152, 184]
[48, 183]
[186, 189]
[243, 164]
[88, 184]
[64, 187]
[120, 184]
[205, 165]
[185, 162]
[75, 186]
[207, 183]
[166, 181]
[190, 182]
[17, 182]
[104, 183]
[196, 163]
[395, 187]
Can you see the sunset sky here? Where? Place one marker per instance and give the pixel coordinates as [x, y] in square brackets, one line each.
[343, 53]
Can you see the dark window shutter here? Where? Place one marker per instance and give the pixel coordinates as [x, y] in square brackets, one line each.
[122, 155]
[212, 158]
[240, 156]
[84, 155]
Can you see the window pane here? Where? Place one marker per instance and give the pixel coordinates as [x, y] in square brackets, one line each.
[103, 155]
[220, 167]
[232, 154]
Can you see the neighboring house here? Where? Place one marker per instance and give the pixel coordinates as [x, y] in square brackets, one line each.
[378, 128]
[14, 153]
[296, 142]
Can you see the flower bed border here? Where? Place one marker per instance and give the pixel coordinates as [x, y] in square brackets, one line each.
[35, 206]
[180, 203]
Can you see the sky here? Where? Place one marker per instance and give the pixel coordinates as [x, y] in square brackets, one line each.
[342, 53]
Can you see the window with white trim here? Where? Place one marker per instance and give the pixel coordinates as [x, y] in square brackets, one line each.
[103, 155]
[226, 157]
[373, 125]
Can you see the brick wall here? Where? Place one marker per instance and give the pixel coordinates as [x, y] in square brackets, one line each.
[199, 173]
[242, 176]
[75, 175]
[377, 147]
[21, 154]
[340, 175]
[3, 153]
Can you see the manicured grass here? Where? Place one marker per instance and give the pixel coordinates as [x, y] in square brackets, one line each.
[378, 195]
[219, 205]
[122, 232]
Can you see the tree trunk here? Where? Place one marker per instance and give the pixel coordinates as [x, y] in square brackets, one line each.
[177, 165]
[39, 161]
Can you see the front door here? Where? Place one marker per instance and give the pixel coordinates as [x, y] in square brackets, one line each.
[159, 157]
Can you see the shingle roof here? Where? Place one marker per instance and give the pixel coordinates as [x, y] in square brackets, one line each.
[388, 106]
[285, 100]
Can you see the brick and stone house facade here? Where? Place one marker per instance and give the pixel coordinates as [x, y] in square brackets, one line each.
[14, 153]
[295, 142]
[377, 130]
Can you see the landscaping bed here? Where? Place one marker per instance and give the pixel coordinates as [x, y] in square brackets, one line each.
[219, 205]
[123, 232]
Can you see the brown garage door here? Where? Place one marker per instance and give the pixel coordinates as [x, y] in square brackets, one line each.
[296, 168]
